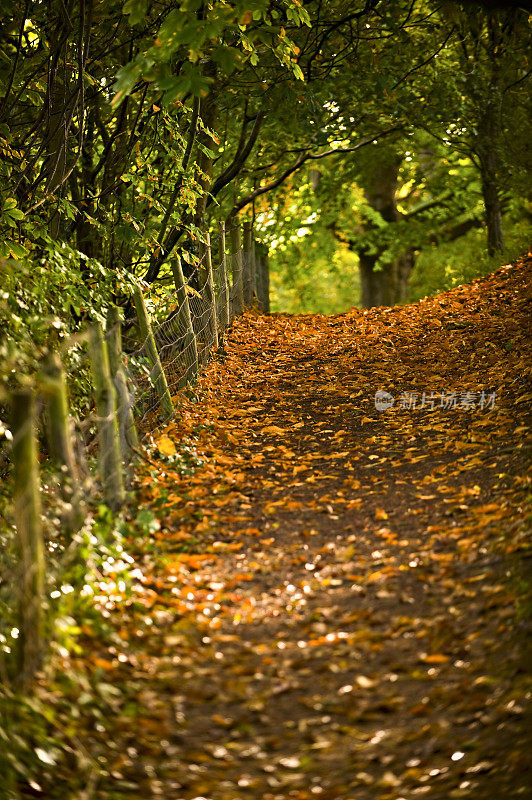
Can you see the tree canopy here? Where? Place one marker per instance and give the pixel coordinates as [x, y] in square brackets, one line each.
[127, 127]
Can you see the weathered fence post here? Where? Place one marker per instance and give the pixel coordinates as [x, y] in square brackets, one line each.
[129, 443]
[30, 545]
[223, 286]
[184, 322]
[237, 267]
[207, 291]
[266, 280]
[263, 277]
[111, 465]
[60, 440]
[157, 372]
[248, 264]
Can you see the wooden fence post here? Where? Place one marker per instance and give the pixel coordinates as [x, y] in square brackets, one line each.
[223, 286]
[129, 443]
[207, 291]
[111, 465]
[263, 277]
[248, 264]
[259, 276]
[266, 281]
[60, 440]
[157, 372]
[237, 267]
[185, 328]
[30, 544]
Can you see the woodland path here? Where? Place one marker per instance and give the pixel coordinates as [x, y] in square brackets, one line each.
[333, 605]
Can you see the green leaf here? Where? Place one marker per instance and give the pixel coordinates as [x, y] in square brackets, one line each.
[136, 9]
[227, 57]
[147, 521]
[126, 78]
[16, 250]
[298, 72]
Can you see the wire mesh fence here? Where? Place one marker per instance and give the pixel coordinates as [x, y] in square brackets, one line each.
[128, 383]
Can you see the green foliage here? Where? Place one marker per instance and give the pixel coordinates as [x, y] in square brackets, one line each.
[244, 33]
[44, 306]
[303, 281]
[442, 267]
[147, 521]
[38, 738]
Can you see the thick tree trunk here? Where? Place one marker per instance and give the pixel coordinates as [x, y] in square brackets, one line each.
[487, 145]
[371, 281]
[387, 284]
[404, 266]
[490, 168]
[493, 207]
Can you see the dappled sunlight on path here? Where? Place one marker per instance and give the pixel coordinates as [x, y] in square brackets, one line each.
[331, 603]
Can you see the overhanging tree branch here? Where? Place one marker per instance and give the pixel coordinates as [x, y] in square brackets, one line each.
[184, 164]
[239, 160]
[273, 184]
[303, 157]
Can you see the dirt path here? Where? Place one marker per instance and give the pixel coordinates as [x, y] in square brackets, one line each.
[334, 603]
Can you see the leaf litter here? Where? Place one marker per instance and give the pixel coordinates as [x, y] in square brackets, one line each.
[334, 602]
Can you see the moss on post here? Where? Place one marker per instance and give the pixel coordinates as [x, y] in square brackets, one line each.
[110, 462]
[185, 328]
[60, 441]
[30, 545]
[148, 341]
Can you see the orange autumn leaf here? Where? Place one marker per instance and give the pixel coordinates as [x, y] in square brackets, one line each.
[166, 446]
[435, 658]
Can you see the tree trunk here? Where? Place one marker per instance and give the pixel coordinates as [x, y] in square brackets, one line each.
[490, 168]
[492, 205]
[386, 284]
[208, 115]
[487, 144]
[405, 265]
[370, 280]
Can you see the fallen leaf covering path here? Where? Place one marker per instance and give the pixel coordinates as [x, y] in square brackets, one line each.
[334, 603]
